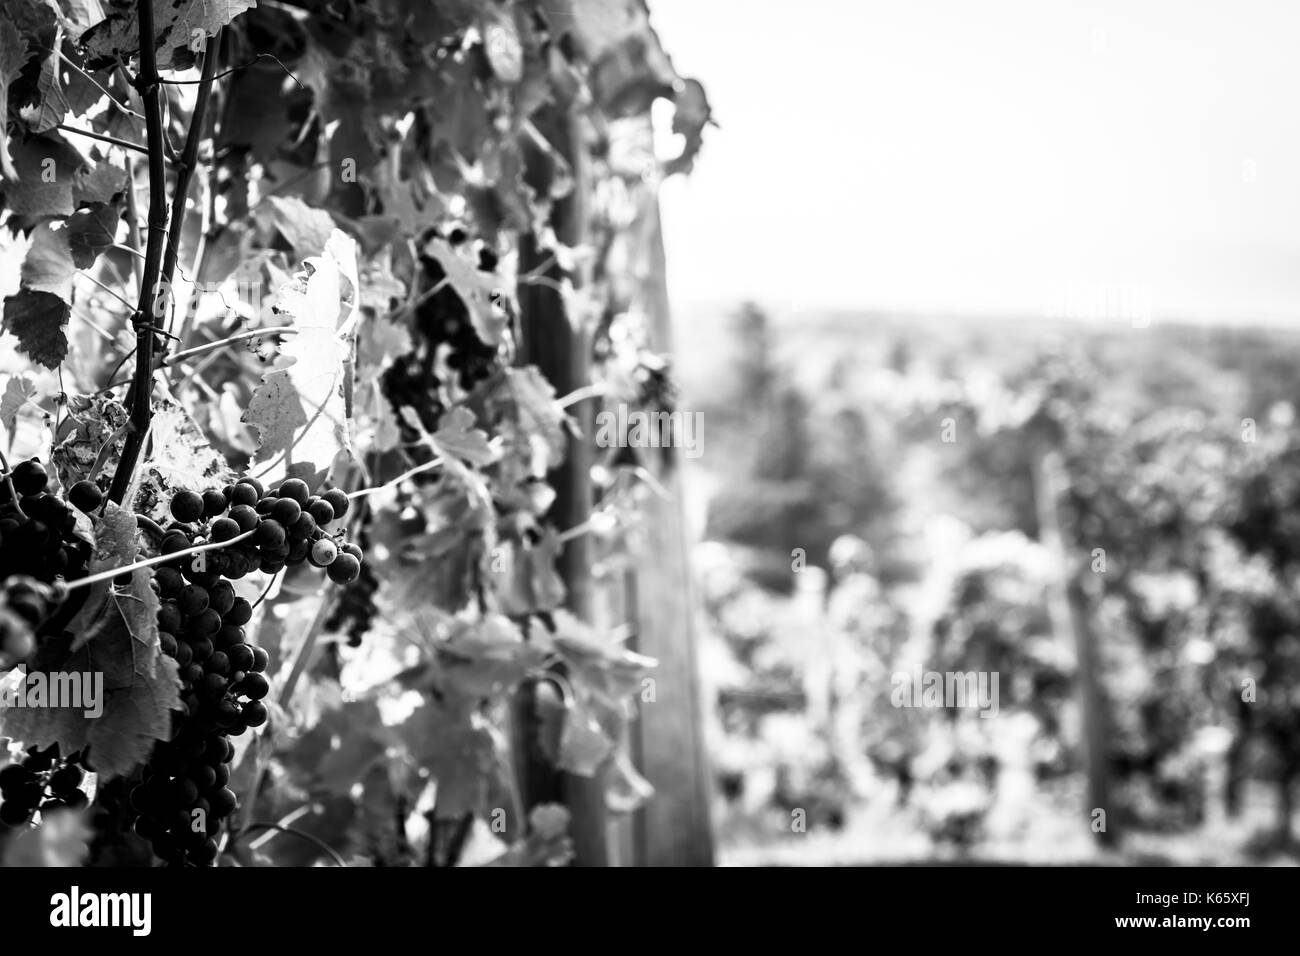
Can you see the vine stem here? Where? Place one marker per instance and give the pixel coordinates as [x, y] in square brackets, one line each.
[120, 143]
[292, 831]
[579, 394]
[427, 466]
[161, 559]
[141, 410]
[189, 156]
[133, 224]
[222, 343]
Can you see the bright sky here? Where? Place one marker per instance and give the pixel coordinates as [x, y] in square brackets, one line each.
[1022, 156]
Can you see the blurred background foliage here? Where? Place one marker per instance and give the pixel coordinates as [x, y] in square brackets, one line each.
[846, 541]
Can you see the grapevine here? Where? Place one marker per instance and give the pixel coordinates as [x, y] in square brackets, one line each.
[272, 394]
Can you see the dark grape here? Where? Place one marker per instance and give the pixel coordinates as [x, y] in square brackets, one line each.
[29, 477]
[255, 713]
[187, 506]
[240, 613]
[192, 600]
[245, 516]
[85, 496]
[344, 570]
[270, 534]
[241, 657]
[254, 686]
[286, 511]
[205, 623]
[337, 500]
[296, 489]
[66, 779]
[170, 581]
[321, 510]
[214, 503]
[221, 597]
[169, 616]
[223, 801]
[223, 529]
[244, 494]
[229, 635]
[202, 648]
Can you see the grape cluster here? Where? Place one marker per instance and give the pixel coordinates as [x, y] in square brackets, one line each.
[38, 530]
[355, 609]
[40, 781]
[288, 525]
[183, 796]
[412, 380]
[444, 320]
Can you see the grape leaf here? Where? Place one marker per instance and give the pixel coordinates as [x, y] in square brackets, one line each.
[583, 744]
[59, 95]
[306, 229]
[459, 754]
[456, 436]
[141, 686]
[529, 399]
[547, 843]
[301, 411]
[91, 231]
[48, 266]
[606, 666]
[487, 657]
[354, 740]
[14, 54]
[177, 25]
[475, 288]
[115, 546]
[17, 391]
[37, 319]
[530, 581]
[104, 183]
[80, 14]
[46, 168]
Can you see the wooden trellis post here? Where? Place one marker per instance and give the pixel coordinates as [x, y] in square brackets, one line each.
[561, 351]
[674, 828]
